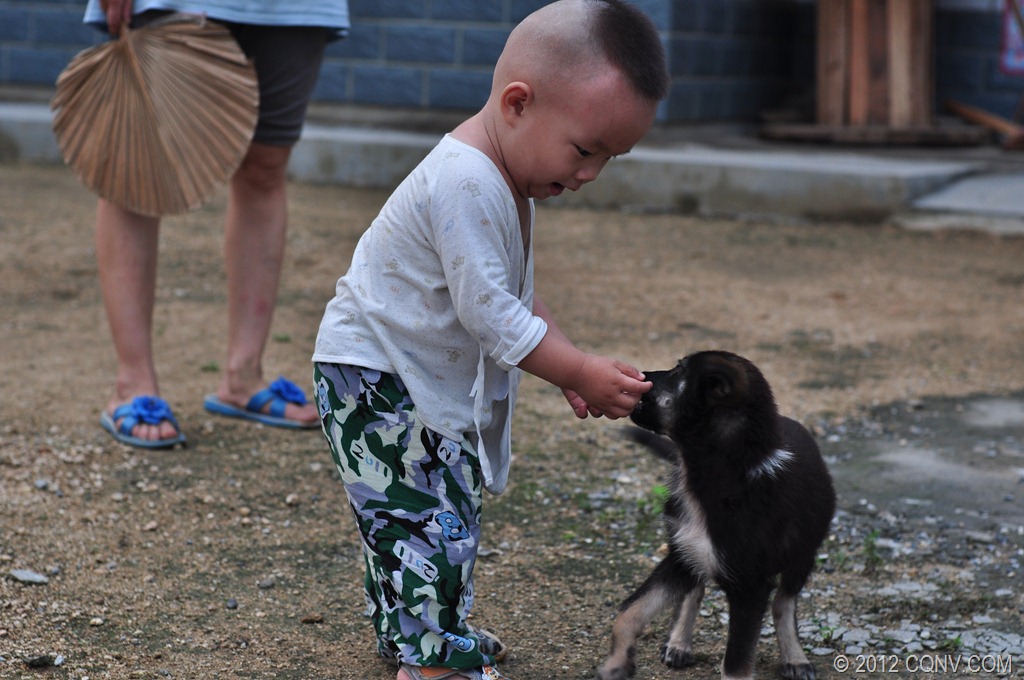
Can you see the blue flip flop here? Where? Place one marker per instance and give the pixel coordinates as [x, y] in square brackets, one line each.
[280, 393]
[148, 410]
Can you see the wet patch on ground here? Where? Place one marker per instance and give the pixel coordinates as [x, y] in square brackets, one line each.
[961, 457]
[932, 518]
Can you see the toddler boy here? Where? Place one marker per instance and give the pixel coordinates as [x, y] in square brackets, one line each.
[419, 353]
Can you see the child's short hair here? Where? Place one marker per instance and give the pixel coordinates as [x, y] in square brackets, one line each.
[631, 43]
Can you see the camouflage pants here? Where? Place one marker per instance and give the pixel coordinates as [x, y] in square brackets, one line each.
[416, 496]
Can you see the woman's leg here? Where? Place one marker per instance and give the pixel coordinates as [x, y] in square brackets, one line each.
[287, 61]
[254, 244]
[126, 254]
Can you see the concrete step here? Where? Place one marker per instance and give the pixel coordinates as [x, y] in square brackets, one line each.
[686, 178]
[988, 194]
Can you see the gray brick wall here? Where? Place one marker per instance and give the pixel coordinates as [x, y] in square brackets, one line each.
[39, 38]
[729, 59]
[436, 53]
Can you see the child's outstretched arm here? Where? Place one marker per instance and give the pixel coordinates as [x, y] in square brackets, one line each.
[591, 383]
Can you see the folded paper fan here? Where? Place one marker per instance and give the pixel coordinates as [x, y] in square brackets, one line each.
[157, 119]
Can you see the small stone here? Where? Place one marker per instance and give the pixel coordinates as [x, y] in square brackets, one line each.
[266, 584]
[41, 661]
[29, 577]
[901, 635]
[96, 622]
[857, 635]
[292, 500]
[865, 507]
[231, 604]
[984, 537]
[313, 618]
[150, 526]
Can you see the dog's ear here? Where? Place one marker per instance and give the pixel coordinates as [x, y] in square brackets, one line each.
[725, 380]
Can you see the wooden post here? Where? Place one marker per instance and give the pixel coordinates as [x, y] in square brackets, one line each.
[833, 45]
[901, 72]
[921, 63]
[875, 62]
[860, 63]
[879, 60]
[875, 77]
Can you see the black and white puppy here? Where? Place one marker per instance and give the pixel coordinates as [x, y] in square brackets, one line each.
[751, 502]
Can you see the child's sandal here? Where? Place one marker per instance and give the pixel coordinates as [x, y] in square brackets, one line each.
[490, 645]
[422, 673]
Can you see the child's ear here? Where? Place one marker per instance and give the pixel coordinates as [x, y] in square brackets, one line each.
[514, 99]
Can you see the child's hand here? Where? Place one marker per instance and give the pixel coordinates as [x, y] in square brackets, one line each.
[605, 387]
[579, 406]
[593, 385]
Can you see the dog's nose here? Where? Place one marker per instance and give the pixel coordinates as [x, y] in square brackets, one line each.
[640, 404]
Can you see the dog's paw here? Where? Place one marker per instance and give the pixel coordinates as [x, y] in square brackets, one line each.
[802, 671]
[677, 658]
[615, 673]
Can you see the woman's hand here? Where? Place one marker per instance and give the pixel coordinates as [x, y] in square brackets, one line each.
[119, 14]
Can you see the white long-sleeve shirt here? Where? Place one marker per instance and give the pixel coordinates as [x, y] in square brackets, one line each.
[440, 292]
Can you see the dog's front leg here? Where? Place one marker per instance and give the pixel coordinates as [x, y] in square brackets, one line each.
[795, 665]
[678, 651]
[663, 588]
[746, 613]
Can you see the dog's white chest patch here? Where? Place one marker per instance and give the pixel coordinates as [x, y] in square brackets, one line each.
[692, 539]
[772, 466]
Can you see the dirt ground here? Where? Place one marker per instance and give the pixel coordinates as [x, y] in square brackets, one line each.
[236, 556]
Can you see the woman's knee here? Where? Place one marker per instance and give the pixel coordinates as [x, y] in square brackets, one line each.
[264, 167]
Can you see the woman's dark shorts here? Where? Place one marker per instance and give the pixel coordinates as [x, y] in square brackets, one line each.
[287, 61]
